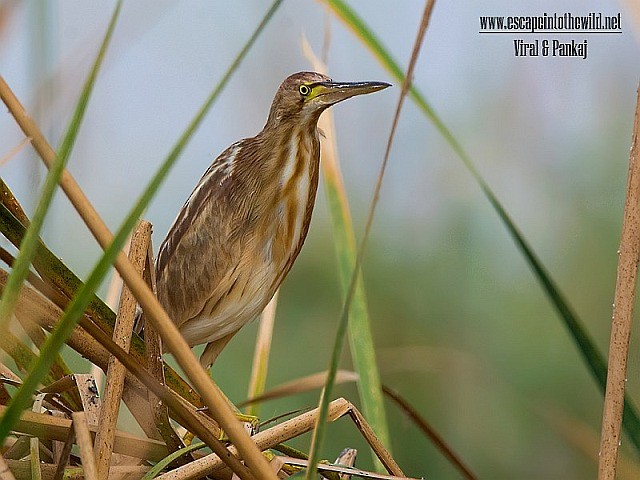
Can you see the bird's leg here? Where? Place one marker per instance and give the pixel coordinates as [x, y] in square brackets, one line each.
[213, 349]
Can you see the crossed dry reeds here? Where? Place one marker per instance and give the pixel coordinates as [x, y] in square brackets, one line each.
[69, 409]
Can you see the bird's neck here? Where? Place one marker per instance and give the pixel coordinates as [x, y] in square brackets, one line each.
[293, 173]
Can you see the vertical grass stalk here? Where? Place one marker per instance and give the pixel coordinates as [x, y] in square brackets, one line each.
[628, 257]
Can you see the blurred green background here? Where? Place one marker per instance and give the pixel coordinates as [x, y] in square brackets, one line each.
[462, 328]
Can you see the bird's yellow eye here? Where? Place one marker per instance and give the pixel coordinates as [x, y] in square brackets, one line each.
[304, 90]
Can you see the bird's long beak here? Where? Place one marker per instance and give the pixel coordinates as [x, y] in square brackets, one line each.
[329, 93]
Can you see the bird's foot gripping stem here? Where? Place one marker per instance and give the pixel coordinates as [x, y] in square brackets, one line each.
[251, 424]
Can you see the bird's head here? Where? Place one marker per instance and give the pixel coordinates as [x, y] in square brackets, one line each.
[303, 96]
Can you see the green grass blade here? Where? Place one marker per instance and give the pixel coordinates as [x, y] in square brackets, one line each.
[360, 337]
[85, 293]
[29, 243]
[162, 464]
[592, 357]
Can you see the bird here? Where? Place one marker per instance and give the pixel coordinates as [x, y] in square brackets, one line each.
[241, 229]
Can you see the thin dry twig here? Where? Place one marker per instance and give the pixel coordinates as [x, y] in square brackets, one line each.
[628, 256]
[301, 385]
[266, 439]
[85, 385]
[430, 432]
[14, 151]
[171, 336]
[47, 311]
[84, 442]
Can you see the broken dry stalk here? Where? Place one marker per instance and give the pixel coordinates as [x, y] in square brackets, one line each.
[116, 371]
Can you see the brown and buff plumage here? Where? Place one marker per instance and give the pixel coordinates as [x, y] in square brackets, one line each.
[244, 224]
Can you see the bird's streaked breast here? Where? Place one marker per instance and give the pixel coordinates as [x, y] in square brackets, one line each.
[297, 190]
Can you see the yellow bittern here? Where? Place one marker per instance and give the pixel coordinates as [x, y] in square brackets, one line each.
[242, 227]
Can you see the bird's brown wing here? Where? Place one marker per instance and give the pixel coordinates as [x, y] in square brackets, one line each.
[197, 252]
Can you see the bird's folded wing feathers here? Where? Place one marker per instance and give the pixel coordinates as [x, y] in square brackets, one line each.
[193, 253]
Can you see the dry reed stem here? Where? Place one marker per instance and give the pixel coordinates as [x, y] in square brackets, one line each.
[316, 441]
[628, 256]
[54, 428]
[12, 204]
[84, 442]
[183, 412]
[56, 274]
[5, 473]
[19, 449]
[7, 373]
[258, 378]
[173, 340]
[379, 449]
[116, 371]
[18, 351]
[31, 304]
[14, 448]
[59, 369]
